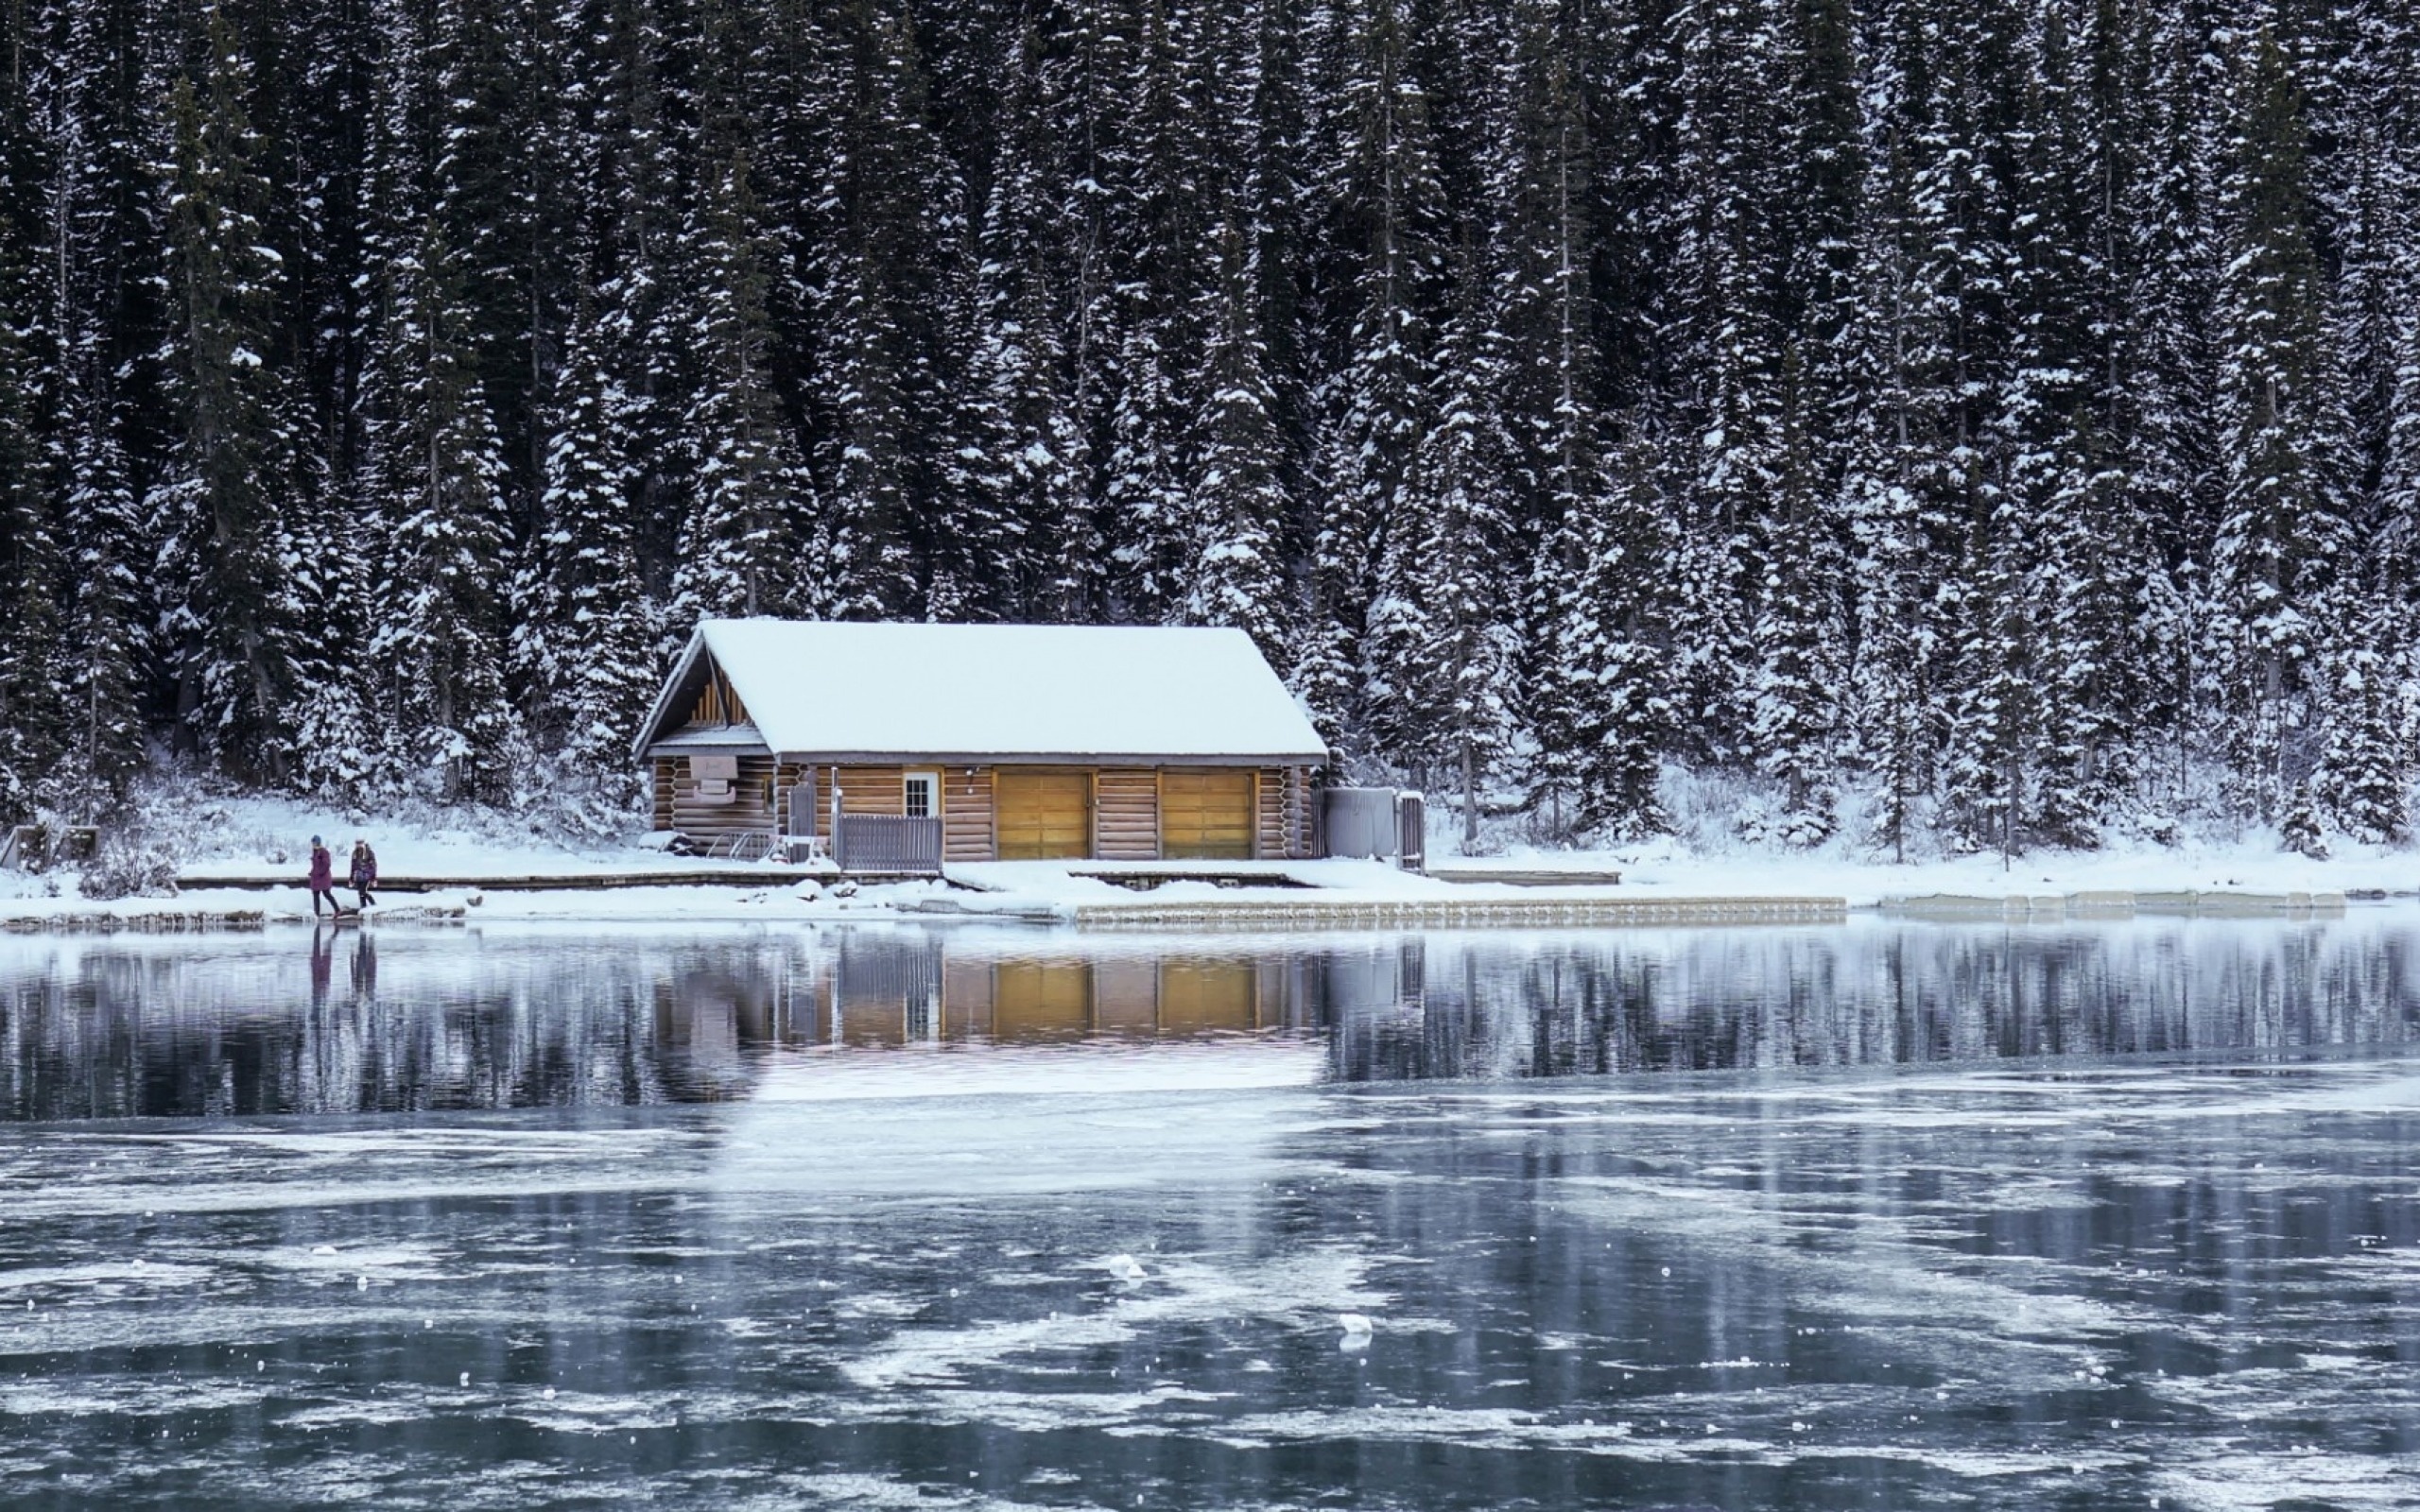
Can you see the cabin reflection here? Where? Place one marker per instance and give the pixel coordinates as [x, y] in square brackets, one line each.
[880, 992]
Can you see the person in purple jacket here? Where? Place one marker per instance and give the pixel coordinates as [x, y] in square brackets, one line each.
[323, 878]
[364, 871]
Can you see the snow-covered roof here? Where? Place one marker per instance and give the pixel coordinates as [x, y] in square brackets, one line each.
[835, 690]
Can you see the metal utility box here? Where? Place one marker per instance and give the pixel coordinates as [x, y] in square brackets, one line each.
[1359, 822]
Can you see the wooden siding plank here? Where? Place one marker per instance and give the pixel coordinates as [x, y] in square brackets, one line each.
[872, 790]
[1129, 803]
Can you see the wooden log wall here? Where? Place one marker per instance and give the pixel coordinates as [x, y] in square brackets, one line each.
[750, 811]
[1270, 843]
[1125, 813]
[966, 815]
[1126, 805]
[867, 790]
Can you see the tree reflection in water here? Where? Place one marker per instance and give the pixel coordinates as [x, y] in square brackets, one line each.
[361, 1020]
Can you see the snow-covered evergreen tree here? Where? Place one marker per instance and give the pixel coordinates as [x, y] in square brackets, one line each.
[1601, 711]
[585, 630]
[223, 496]
[34, 674]
[752, 542]
[1016, 548]
[2367, 766]
[892, 203]
[437, 473]
[1234, 499]
[1445, 657]
[1389, 200]
[1728, 452]
[1800, 631]
[2279, 552]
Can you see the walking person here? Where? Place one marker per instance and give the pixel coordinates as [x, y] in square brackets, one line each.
[365, 872]
[323, 878]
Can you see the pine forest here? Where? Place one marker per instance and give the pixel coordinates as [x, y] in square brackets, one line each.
[1955, 425]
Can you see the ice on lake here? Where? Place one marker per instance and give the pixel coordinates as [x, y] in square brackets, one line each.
[2114, 1215]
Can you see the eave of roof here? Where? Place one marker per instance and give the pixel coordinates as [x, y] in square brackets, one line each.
[723, 738]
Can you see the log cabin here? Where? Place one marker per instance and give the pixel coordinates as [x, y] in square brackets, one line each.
[1006, 742]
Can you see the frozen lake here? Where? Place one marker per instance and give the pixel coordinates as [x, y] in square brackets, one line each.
[1884, 1215]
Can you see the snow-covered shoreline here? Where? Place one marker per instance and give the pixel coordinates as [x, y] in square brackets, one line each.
[1330, 892]
[485, 867]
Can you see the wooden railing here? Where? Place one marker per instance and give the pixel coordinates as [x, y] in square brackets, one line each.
[884, 842]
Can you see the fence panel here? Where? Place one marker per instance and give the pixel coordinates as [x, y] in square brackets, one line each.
[882, 842]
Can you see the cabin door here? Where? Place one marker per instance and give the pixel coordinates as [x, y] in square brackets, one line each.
[1044, 815]
[1206, 814]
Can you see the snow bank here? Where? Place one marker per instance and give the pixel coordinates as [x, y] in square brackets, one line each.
[2247, 866]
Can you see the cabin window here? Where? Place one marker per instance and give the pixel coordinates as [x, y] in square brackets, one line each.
[924, 794]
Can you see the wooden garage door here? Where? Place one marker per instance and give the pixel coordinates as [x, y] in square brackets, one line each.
[1044, 815]
[1207, 814]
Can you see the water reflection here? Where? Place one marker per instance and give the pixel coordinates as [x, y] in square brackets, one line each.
[1874, 994]
[1114, 1274]
[355, 1019]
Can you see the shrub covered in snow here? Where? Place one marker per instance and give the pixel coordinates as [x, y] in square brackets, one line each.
[128, 866]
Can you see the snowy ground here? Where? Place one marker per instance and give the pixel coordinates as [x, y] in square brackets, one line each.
[254, 836]
[2249, 865]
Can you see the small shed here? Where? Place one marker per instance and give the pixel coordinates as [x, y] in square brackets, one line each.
[1004, 742]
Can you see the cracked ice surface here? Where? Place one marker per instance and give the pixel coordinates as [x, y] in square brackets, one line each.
[2083, 1219]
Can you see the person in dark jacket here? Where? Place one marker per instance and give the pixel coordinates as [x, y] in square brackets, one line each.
[365, 872]
[323, 878]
